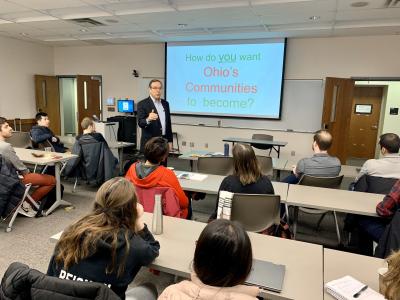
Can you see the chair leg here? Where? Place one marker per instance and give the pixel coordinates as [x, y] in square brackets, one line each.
[76, 181]
[287, 213]
[320, 220]
[337, 227]
[295, 217]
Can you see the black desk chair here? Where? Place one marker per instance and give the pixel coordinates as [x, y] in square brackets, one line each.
[265, 137]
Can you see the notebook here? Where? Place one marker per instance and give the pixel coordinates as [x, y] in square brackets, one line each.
[266, 275]
[346, 288]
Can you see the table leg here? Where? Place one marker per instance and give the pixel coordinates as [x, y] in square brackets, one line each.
[121, 157]
[59, 201]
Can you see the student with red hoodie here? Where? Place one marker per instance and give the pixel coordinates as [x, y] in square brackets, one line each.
[151, 174]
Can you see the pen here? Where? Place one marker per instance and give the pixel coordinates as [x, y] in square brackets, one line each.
[356, 295]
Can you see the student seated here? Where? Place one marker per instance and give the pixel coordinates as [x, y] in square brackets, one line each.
[152, 174]
[42, 182]
[108, 245]
[247, 177]
[222, 262]
[41, 133]
[386, 209]
[389, 165]
[391, 279]
[95, 160]
[321, 164]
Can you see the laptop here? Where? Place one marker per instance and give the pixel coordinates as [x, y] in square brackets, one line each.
[266, 275]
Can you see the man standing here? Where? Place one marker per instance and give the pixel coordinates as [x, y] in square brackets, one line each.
[42, 133]
[154, 116]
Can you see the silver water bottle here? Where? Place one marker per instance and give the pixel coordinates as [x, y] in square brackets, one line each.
[157, 225]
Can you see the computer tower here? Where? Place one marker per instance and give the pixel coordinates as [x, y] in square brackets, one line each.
[127, 128]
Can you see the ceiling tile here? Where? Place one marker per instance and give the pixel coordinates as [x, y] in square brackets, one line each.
[8, 7]
[48, 4]
[79, 12]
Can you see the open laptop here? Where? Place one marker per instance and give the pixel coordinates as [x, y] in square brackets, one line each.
[266, 275]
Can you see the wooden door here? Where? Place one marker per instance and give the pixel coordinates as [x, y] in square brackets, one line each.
[364, 124]
[336, 114]
[88, 96]
[48, 100]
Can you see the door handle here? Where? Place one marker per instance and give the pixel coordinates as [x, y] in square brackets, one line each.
[374, 127]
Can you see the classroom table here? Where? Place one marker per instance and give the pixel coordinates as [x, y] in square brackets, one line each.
[363, 268]
[49, 158]
[192, 156]
[178, 242]
[345, 170]
[276, 145]
[120, 146]
[333, 199]
[211, 183]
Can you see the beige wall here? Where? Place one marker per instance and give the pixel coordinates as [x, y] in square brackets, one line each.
[115, 63]
[308, 58]
[19, 61]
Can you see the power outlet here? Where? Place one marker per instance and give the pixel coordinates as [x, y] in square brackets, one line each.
[293, 153]
[206, 145]
[191, 144]
[183, 143]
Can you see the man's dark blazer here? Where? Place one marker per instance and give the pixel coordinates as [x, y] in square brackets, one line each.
[154, 127]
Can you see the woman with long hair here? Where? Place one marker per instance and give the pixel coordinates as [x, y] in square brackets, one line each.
[108, 245]
[391, 280]
[222, 262]
[247, 177]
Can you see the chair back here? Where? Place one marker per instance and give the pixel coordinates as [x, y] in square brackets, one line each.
[218, 165]
[325, 182]
[256, 212]
[374, 184]
[20, 139]
[265, 137]
[267, 168]
[169, 199]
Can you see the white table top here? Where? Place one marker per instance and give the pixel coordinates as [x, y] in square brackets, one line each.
[277, 163]
[117, 145]
[363, 268]
[48, 157]
[332, 199]
[254, 141]
[346, 170]
[178, 244]
[210, 185]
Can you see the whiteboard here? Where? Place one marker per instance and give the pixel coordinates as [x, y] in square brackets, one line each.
[302, 105]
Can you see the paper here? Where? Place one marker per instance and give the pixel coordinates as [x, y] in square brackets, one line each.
[192, 176]
[347, 286]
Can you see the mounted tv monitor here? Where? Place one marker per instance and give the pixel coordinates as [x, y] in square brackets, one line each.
[238, 78]
[126, 106]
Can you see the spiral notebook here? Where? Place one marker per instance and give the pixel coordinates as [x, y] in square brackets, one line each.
[347, 287]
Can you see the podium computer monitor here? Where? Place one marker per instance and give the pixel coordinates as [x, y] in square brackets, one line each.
[126, 106]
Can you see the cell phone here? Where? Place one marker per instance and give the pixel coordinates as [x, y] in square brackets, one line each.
[37, 154]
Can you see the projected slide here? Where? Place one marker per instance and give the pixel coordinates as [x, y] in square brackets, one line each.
[240, 80]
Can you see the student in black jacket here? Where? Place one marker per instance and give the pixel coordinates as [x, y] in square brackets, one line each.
[247, 177]
[41, 133]
[110, 244]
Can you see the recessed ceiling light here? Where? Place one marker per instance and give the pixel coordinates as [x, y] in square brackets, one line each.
[314, 18]
[359, 4]
[83, 30]
[108, 33]
[111, 21]
[181, 25]
[24, 34]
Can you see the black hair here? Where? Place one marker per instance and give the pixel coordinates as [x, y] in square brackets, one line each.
[223, 255]
[390, 141]
[39, 115]
[156, 150]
